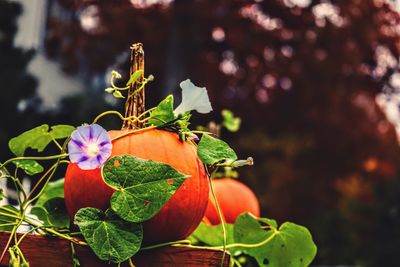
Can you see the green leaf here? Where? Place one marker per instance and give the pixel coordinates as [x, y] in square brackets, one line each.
[134, 77]
[6, 219]
[31, 167]
[52, 213]
[110, 237]
[36, 138]
[290, 246]
[118, 94]
[2, 196]
[163, 113]
[212, 235]
[61, 131]
[229, 121]
[212, 150]
[52, 190]
[143, 186]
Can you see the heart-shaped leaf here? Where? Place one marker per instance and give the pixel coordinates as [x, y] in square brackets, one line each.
[110, 237]
[52, 213]
[143, 186]
[212, 150]
[291, 245]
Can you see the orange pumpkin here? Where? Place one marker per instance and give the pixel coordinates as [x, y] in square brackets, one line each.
[180, 215]
[233, 198]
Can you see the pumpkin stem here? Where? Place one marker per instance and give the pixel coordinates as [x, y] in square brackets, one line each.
[135, 102]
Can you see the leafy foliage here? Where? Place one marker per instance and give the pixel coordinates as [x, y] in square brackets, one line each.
[230, 122]
[163, 113]
[143, 186]
[290, 245]
[212, 150]
[134, 77]
[52, 190]
[31, 167]
[38, 138]
[212, 235]
[110, 237]
[52, 213]
[6, 220]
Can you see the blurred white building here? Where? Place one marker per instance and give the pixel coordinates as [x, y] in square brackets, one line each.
[53, 83]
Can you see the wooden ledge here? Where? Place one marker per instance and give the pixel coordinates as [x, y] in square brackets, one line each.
[50, 251]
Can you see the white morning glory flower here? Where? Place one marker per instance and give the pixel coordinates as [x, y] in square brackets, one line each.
[90, 147]
[193, 98]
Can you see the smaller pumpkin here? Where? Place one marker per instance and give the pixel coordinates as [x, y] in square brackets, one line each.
[234, 198]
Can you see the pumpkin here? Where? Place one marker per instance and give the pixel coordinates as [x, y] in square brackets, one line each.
[233, 198]
[180, 215]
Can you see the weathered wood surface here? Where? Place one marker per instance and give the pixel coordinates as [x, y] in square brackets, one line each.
[43, 251]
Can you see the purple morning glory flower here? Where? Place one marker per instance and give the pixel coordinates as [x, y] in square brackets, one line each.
[90, 147]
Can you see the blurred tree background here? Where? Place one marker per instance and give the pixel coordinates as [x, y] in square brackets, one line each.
[303, 75]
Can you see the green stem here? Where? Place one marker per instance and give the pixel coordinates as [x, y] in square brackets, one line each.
[18, 186]
[9, 210]
[50, 173]
[201, 132]
[10, 215]
[14, 230]
[34, 158]
[54, 232]
[17, 183]
[7, 224]
[146, 112]
[179, 242]
[220, 217]
[25, 234]
[57, 143]
[243, 245]
[133, 131]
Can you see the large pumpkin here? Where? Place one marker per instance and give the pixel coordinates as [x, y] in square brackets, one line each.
[180, 215]
[233, 198]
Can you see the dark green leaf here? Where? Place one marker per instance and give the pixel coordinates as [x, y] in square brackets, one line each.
[212, 235]
[289, 246]
[31, 167]
[230, 122]
[1, 194]
[52, 213]
[52, 190]
[134, 77]
[61, 131]
[37, 138]
[4, 220]
[143, 186]
[163, 113]
[110, 237]
[212, 150]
